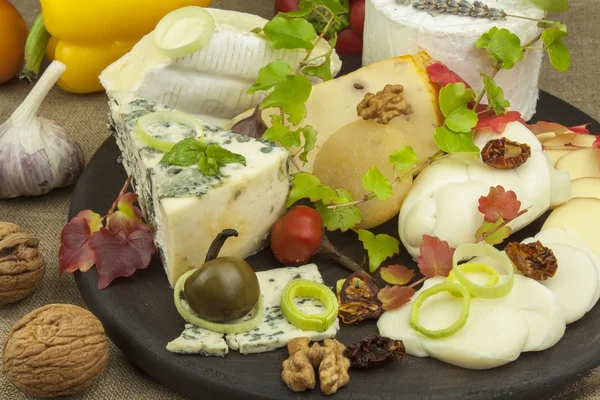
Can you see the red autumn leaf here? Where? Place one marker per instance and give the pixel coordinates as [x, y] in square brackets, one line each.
[442, 75]
[117, 255]
[396, 274]
[546, 127]
[497, 122]
[499, 204]
[75, 253]
[127, 218]
[435, 258]
[596, 144]
[581, 129]
[392, 297]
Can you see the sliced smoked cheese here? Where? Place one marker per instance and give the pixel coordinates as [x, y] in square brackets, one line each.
[584, 163]
[583, 216]
[552, 146]
[586, 187]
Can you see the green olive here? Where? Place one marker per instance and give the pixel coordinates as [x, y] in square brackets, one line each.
[222, 290]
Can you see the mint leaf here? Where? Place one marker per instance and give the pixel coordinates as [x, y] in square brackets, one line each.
[559, 54]
[495, 95]
[342, 218]
[554, 6]
[278, 132]
[295, 33]
[309, 186]
[404, 159]
[310, 139]
[463, 120]
[184, 153]
[455, 96]
[271, 74]
[378, 247]
[374, 181]
[323, 71]
[503, 47]
[290, 95]
[208, 166]
[453, 142]
[223, 156]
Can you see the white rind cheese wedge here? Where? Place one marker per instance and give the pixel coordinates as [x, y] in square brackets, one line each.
[188, 209]
[274, 332]
[332, 104]
[210, 83]
[394, 28]
[443, 200]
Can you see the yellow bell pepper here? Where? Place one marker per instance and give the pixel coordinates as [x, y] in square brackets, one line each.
[87, 36]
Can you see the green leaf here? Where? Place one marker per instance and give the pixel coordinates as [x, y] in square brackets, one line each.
[495, 95]
[278, 132]
[290, 95]
[553, 6]
[295, 33]
[559, 54]
[463, 120]
[184, 153]
[453, 97]
[310, 139]
[333, 41]
[309, 186]
[453, 142]
[323, 71]
[378, 247]
[208, 166]
[503, 47]
[258, 31]
[497, 237]
[270, 75]
[223, 156]
[404, 159]
[344, 196]
[304, 9]
[334, 6]
[374, 181]
[342, 218]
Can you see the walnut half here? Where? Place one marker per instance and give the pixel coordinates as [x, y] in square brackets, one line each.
[385, 105]
[22, 266]
[56, 350]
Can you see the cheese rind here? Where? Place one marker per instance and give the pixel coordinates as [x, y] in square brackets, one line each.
[393, 29]
[188, 209]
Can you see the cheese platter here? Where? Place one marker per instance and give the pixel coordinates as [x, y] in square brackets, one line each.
[405, 207]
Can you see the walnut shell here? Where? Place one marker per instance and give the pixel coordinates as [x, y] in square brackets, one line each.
[22, 266]
[56, 350]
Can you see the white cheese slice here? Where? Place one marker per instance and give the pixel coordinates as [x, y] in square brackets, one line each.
[195, 340]
[394, 28]
[212, 82]
[188, 209]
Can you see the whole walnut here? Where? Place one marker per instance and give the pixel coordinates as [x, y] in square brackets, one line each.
[56, 350]
[22, 266]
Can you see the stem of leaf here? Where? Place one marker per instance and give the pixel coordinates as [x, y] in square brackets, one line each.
[296, 165]
[306, 59]
[482, 93]
[502, 225]
[532, 42]
[423, 279]
[529, 18]
[567, 146]
[121, 193]
[534, 48]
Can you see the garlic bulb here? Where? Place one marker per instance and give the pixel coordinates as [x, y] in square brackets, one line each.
[37, 155]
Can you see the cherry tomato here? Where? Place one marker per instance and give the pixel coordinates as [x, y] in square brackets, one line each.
[348, 43]
[296, 236]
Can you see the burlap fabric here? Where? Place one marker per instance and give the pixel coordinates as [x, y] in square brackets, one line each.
[84, 116]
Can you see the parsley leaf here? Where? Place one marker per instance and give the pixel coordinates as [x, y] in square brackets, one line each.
[503, 47]
[270, 75]
[310, 139]
[208, 166]
[559, 54]
[376, 182]
[378, 247]
[495, 95]
[278, 132]
[342, 218]
[290, 95]
[404, 159]
[295, 33]
[309, 186]
[554, 6]
[184, 153]
[323, 71]
[453, 142]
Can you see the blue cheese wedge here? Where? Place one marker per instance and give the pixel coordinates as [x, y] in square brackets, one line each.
[195, 340]
[275, 331]
[187, 208]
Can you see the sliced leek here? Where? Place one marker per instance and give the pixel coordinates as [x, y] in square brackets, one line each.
[184, 31]
[165, 116]
[468, 251]
[451, 287]
[493, 279]
[315, 290]
[245, 324]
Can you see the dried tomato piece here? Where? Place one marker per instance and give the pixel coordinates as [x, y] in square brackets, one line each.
[505, 154]
[358, 299]
[534, 260]
[375, 351]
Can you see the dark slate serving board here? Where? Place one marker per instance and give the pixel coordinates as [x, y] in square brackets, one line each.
[140, 318]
